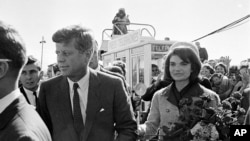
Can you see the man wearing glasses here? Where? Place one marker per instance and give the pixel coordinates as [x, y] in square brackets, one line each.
[18, 120]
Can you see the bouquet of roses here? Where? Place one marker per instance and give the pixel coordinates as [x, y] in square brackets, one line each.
[229, 113]
[199, 122]
[215, 123]
[192, 111]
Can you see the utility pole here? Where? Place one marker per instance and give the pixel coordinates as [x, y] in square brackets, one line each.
[42, 42]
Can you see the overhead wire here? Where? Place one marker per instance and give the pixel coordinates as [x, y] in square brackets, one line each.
[233, 26]
[224, 28]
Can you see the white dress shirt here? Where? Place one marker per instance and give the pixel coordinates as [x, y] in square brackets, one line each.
[31, 97]
[8, 99]
[83, 93]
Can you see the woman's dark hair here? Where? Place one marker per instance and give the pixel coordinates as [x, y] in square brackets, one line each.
[186, 51]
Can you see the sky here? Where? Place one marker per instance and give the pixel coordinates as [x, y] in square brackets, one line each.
[181, 20]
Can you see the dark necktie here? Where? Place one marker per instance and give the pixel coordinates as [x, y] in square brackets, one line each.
[77, 114]
[36, 99]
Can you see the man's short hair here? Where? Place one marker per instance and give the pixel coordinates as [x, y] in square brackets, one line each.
[82, 36]
[33, 60]
[12, 47]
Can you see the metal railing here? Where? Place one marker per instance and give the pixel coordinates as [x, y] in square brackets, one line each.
[104, 32]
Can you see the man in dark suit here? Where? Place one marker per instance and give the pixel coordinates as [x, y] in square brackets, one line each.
[18, 119]
[83, 104]
[30, 80]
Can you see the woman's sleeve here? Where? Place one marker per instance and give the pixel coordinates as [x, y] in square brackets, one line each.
[153, 121]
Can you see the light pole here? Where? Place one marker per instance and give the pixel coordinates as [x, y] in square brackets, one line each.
[42, 42]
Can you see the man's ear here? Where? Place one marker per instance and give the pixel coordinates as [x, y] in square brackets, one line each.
[4, 67]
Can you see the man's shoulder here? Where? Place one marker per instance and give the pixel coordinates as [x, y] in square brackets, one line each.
[24, 111]
[54, 80]
[108, 74]
[25, 121]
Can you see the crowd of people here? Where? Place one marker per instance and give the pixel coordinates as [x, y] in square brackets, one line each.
[83, 100]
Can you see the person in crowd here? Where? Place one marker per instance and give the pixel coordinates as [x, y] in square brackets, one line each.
[207, 70]
[204, 81]
[155, 72]
[202, 52]
[18, 120]
[212, 63]
[233, 72]
[235, 78]
[56, 69]
[83, 104]
[94, 62]
[221, 68]
[53, 70]
[225, 60]
[30, 80]
[183, 67]
[205, 74]
[122, 65]
[245, 87]
[114, 69]
[49, 71]
[120, 22]
[221, 85]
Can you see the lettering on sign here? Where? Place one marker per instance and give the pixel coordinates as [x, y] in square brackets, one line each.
[160, 47]
[124, 40]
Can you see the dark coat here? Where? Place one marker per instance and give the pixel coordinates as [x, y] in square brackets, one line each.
[108, 110]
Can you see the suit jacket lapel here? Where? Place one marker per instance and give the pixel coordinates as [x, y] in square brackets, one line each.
[64, 100]
[93, 105]
[24, 94]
